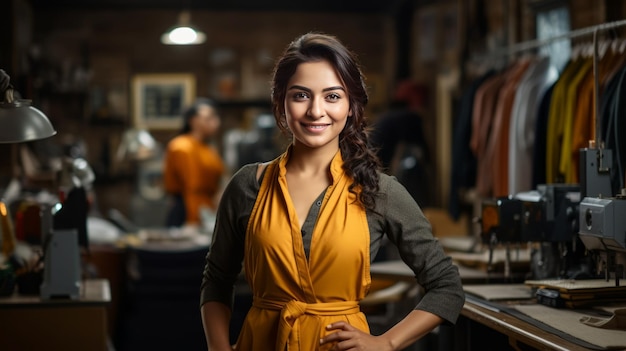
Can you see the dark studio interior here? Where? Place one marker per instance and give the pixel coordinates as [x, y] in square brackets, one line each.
[514, 149]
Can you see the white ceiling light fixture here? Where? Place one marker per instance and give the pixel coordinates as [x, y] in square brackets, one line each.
[183, 33]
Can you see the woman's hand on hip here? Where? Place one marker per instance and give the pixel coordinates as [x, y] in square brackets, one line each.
[347, 337]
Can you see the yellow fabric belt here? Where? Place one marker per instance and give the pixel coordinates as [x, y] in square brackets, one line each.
[290, 312]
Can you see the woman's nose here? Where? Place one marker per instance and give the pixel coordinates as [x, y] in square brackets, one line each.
[316, 109]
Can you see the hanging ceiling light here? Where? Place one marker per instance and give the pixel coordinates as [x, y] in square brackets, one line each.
[183, 33]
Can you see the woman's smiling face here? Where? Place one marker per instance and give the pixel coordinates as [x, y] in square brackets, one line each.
[316, 105]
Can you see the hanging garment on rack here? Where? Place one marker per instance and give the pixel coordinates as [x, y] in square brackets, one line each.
[564, 118]
[541, 127]
[463, 173]
[554, 133]
[615, 132]
[565, 169]
[537, 79]
[482, 117]
[585, 113]
[496, 168]
[619, 57]
[606, 102]
[483, 111]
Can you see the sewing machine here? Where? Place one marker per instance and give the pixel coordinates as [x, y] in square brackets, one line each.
[602, 215]
[547, 216]
[500, 224]
[550, 214]
[501, 220]
[551, 221]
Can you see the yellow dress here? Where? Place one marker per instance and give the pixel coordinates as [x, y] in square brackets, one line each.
[294, 299]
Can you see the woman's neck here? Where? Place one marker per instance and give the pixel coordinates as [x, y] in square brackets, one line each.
[198, 136]
[310, 160]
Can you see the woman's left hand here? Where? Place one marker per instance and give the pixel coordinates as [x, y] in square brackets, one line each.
[348, 337]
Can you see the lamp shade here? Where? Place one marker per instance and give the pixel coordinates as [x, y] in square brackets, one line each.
[20, 122]
[183, 33]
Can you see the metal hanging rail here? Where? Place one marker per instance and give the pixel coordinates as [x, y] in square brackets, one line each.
[533, 44]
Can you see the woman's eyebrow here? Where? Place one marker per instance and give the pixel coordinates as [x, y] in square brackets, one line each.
[299, 87]
[339, 87]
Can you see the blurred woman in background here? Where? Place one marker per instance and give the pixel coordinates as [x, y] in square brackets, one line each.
[193, 167]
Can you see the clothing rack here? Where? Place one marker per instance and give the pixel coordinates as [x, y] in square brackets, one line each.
[533, 44]
[537, 43]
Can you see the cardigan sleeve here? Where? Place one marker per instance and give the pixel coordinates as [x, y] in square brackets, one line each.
[407, 227]
[225, 257]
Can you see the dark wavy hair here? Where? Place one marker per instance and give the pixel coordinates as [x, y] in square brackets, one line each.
[360, 162]
[191, 111]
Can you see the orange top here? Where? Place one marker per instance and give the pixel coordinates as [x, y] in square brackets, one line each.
[193, 170]
[295, 298]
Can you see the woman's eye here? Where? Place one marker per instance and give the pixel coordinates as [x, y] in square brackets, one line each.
[333, 96]
[300, 95]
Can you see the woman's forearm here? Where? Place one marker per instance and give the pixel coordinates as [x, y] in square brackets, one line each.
[216, 320]
[413, 327]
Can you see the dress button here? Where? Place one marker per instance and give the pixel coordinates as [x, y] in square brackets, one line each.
[319, 204]
[303, 232]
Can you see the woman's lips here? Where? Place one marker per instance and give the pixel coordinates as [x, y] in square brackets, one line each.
[315, 127]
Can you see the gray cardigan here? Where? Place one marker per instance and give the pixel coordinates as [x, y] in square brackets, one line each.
[397, 215]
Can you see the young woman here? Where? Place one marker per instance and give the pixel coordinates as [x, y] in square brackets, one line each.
[308, 224]
[193, 168]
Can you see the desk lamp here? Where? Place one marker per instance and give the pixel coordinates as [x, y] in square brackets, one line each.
[20, 122]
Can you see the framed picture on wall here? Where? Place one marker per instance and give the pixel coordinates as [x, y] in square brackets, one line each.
[158, 99]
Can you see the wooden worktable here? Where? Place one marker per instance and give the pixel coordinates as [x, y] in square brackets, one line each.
[482, 325]
[30, 323]
[520, 333]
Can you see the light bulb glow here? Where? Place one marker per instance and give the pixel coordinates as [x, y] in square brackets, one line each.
[183, 36]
